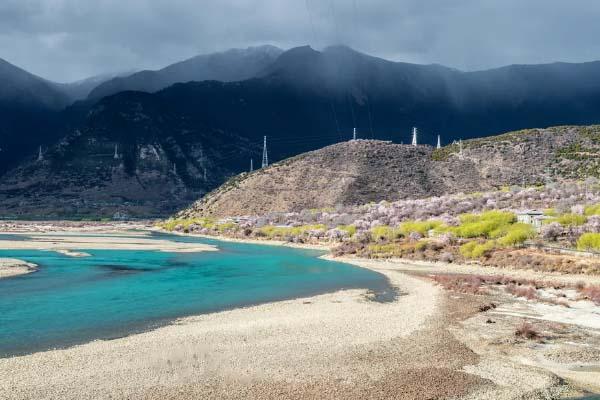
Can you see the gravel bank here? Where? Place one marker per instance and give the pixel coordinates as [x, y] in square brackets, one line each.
[13, 267]
[329, 346]
[66, 244]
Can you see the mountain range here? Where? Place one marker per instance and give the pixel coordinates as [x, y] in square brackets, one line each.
[190, 126]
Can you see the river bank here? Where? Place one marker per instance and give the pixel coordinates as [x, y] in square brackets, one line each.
[427, 343]
[10, 267]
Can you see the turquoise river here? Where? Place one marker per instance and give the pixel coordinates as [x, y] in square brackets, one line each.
[116, 292]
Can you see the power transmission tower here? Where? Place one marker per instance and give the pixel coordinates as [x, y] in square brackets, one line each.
[251, 165]
[116, 156]
[40, 155]
[354, 134]
[265, 157]
[414, 137]
[439, 143]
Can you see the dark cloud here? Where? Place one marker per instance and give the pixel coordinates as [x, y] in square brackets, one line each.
[70, 39]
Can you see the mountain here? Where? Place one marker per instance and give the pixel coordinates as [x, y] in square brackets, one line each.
[228, 66]
[363, 171]
[28, 112]
[134, 156]
[302, 101]
[80, 90]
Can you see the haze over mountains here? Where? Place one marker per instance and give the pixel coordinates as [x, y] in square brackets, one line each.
[201, 120]
[227, 66]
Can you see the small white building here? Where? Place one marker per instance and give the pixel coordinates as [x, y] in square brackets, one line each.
[531, 217]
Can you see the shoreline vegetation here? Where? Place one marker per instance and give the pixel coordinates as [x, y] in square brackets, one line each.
[457, 330]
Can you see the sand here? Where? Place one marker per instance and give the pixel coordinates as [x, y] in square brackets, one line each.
[10, 267]
[68, 243]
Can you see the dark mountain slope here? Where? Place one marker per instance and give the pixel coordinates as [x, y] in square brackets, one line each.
[231, 65]
[162, 162]
[28, 113]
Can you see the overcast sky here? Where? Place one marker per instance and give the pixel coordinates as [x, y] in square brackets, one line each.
[66, 40]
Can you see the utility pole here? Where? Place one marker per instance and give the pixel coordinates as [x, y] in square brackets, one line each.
[251, 165]
[414, 137]
[265, 157]
[439, 143]
[354, 134]
[40, 155]
[116, 156]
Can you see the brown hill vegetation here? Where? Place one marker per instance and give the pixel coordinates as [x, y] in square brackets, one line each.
[362, 171]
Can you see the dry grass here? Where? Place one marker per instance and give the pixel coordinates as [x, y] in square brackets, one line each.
[591, 293]
[528, 292]
[527, 331]
[541, 261]
[468, 284]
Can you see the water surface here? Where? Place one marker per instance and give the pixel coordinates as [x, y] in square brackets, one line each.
[118, 292]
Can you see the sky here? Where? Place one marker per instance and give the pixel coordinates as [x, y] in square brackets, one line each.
[67, 40]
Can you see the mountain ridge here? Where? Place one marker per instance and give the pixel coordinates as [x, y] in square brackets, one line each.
[229, 65]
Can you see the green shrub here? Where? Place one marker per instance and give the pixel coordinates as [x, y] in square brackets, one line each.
[384, 250]
[550, 212]
[351, 229]
[421, 245]
[486, 224]
[227, 226]
[475, 249]
[384, 232]
[287, 231]
[571, 219]
[421, 227]
[517, 234]
[589, 241]
[592, 210]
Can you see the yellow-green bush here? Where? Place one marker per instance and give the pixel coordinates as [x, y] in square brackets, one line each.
[227, 226]
[550, 212]
[421, 227]
[571, 219]
[486, 224]
[589, 241]
[351, 229]
[475, 249]
[421, 245]
[516, 234]
[285, 231]
[384, 232]
[592, 210]
[384, 250]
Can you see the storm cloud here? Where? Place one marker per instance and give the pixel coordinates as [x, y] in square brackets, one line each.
[66, 40]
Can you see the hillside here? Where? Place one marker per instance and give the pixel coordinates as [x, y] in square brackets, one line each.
[363, 171]
[153, 173]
